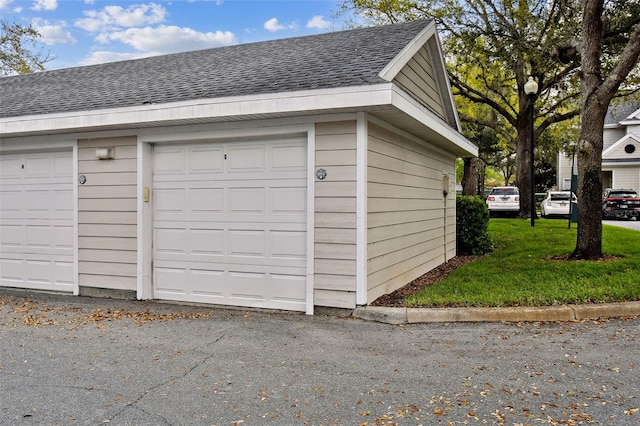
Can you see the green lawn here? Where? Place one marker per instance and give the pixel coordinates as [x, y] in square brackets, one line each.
[527, 269]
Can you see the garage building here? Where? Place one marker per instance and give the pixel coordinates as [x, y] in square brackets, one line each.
[286, 174]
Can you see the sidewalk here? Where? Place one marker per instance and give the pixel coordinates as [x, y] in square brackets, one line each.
[391, 315]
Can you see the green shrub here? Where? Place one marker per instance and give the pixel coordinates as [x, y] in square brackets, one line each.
[472, 222]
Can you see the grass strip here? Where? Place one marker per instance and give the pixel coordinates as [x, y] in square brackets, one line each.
[530, 268]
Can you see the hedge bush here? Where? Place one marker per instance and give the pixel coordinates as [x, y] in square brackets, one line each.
[472, 222]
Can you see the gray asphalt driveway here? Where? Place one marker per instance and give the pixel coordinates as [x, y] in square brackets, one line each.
[67, 360]
[629, 224]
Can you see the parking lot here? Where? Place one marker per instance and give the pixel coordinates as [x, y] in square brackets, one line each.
[77, 360]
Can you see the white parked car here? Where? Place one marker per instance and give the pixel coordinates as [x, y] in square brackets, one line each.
[504, 199]
[557, 203]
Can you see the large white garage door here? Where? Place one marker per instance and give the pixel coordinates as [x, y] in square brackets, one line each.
[230, 223]
[36, 221]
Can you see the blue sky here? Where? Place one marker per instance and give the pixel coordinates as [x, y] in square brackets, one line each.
[84, 32]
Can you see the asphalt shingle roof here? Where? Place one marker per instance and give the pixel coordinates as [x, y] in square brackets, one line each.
[331, 60]
[620, 110]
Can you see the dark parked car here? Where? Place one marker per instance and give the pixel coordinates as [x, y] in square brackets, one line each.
[620, 204]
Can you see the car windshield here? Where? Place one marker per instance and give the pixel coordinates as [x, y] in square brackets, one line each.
[504, 191]
[560, 197]
[626, 194]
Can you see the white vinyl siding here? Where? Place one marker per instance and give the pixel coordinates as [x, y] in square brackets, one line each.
[335, 215]
[418, 79]
[611, 136]
[564, 171]
[626, 177]
[36, 221]
[107, 223]
[407, 233]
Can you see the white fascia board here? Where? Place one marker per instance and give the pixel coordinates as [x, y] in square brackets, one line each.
[395, 66]
[409, 106]
[230, 107]
[630, 122]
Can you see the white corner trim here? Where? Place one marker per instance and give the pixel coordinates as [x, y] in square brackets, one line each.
[361, 209]
[76, 231]
[202, 109]
[392, 69]
[311, 241]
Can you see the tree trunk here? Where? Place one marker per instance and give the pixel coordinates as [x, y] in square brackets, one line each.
[482, 174]
[469, 176]
[523, 164]
[589, 240]
[589, 152]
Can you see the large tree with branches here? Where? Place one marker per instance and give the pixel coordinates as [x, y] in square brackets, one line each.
[580, 52]
[491, 48]
[609, 49]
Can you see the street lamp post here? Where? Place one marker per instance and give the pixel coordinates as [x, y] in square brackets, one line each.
[531, 90]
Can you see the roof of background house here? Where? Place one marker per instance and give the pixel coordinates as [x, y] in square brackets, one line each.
[330, 60]
[621, 109]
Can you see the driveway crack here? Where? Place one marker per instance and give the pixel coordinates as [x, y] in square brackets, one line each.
[188, 371]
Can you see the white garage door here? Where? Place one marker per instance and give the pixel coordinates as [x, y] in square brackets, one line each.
[230, 223]
[36, 220]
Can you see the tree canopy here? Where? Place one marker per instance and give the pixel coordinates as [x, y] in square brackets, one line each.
[20, 52]
[491, 49]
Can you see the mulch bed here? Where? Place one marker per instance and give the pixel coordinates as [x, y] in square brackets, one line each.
[396, 298]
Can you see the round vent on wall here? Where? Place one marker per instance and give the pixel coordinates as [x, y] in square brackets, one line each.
[629, 149]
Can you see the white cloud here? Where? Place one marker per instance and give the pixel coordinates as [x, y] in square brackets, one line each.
[319, 22]
[113, 17]
[168, 39]
[101, 57]
[273, 25]
[4, 3]
[45, 5]
[53, 33]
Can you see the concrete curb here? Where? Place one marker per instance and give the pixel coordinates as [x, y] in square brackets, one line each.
[392, 315]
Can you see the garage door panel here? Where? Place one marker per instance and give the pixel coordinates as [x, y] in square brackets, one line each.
[206, 200]
[232, 217]
[288, 244]
[206, 242]
[37, 274]
[170, 241]
[286, 158]
[246, 158]
[36, 215]
[10, 201]
[246, 200]
[246, 243]
[206, 159]
[288, 288]
[289, 201]
[38, 166]
[169, 201]
[170, 280]
[168, 161]
[207, 282]
[12, 235]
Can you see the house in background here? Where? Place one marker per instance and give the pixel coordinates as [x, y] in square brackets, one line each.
[287, 174]
[621, 150]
